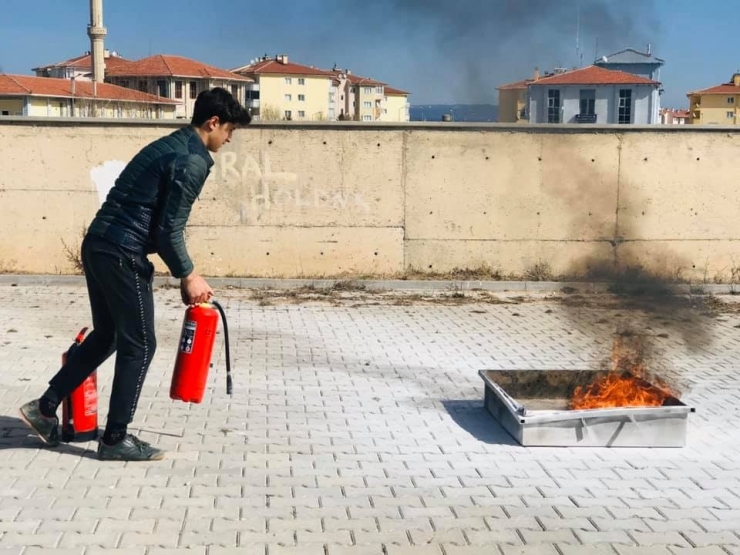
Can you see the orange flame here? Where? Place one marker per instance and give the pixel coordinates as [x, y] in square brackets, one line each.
[624, 385]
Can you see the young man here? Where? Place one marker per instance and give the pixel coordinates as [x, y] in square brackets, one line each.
[145, 212]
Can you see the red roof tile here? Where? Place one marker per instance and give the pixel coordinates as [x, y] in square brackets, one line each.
[395, 92]
[25, 85]
[365, 81]
[274, 67]
[172, 66]
[519, 85]
[726, 88]
[85, 62]
[594, 75]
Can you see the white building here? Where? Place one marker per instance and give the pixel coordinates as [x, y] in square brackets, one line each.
[594, 95]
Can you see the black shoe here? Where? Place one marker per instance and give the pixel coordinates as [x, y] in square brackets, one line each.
[46, 427]
[130, 449]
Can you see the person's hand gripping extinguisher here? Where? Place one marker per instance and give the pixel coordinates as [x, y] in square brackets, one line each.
[194, 290]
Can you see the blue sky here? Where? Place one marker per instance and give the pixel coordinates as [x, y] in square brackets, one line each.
[422, 51]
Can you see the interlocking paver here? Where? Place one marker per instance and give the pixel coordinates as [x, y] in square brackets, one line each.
[358, 428]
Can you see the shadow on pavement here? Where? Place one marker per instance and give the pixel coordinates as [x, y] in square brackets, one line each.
[472, 416]
[14, 434]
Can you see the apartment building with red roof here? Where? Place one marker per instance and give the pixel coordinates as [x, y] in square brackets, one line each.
[717, 105]
[26, 95]
[178, 78]
[285, 90]
[79, 67]
[292, 91]
[594, 95]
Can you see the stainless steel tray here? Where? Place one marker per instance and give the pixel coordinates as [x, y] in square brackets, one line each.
[531, 405]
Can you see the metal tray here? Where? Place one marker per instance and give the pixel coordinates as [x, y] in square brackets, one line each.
[531, 405]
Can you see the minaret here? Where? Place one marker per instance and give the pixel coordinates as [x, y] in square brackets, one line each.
[97, 33]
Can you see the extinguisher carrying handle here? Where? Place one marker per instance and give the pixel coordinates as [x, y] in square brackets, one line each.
[229, 385]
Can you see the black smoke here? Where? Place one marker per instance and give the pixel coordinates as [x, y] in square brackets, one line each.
[491, 42]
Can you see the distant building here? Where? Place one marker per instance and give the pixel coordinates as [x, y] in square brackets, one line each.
[288, 91]
[79, 67]
[25, 95]
[669, 116]
[291, 91]
[365, 99]
[396, 105]
[594, 95]
[633, 61]
[716, 105]
[513, 100]
[180, 79]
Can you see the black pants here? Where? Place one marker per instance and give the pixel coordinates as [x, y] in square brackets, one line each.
[119, 283]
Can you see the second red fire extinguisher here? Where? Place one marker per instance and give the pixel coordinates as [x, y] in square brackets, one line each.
[80, 408]
[195, 350]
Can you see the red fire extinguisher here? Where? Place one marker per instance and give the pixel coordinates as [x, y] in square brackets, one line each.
[194, 352]
[80, 408]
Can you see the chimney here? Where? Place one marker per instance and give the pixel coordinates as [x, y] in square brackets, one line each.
[736, 79]
[536, 75]
[97, 33]
[650, 49]
[283, 59]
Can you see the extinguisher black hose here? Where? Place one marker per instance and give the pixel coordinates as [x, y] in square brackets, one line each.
[229, 386]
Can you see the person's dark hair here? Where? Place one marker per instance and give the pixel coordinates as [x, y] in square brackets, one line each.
[219, 102]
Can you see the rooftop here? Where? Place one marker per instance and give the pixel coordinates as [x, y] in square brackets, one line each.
[395, 92]
[279, 66]
[172, 66]
[26, 85]
[630, 56]
[731, 88]
[518, 85]
[594, 75]
[112, 60]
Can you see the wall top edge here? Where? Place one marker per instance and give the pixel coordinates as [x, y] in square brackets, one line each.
[28, 121]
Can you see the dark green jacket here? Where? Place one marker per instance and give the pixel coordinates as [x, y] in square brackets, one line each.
[149, 205]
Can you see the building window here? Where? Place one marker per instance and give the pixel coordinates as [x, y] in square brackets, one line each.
[731, 100]
[5, 113]
[367, 104]
[367, 118]
[588, 102]
[730, 115]
[379, 90]
[367, 90]
[235, 91]
[178, 89]
[301, 98]
[193, 90]
[142, 86]
[162, 88]
[288, 98]
[288, 81]
[301, 114]
[301, 81]
[625, 106]
[123, 83]
[553, 106]
[288, 115]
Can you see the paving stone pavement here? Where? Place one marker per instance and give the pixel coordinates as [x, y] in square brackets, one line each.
[357, 427]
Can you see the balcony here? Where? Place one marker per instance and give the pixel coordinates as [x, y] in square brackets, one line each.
[586, 118]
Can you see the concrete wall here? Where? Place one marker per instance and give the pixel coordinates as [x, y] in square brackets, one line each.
[326, 199]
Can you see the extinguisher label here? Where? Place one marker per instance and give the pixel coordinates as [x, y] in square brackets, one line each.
[188, 336]
[90, 395]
